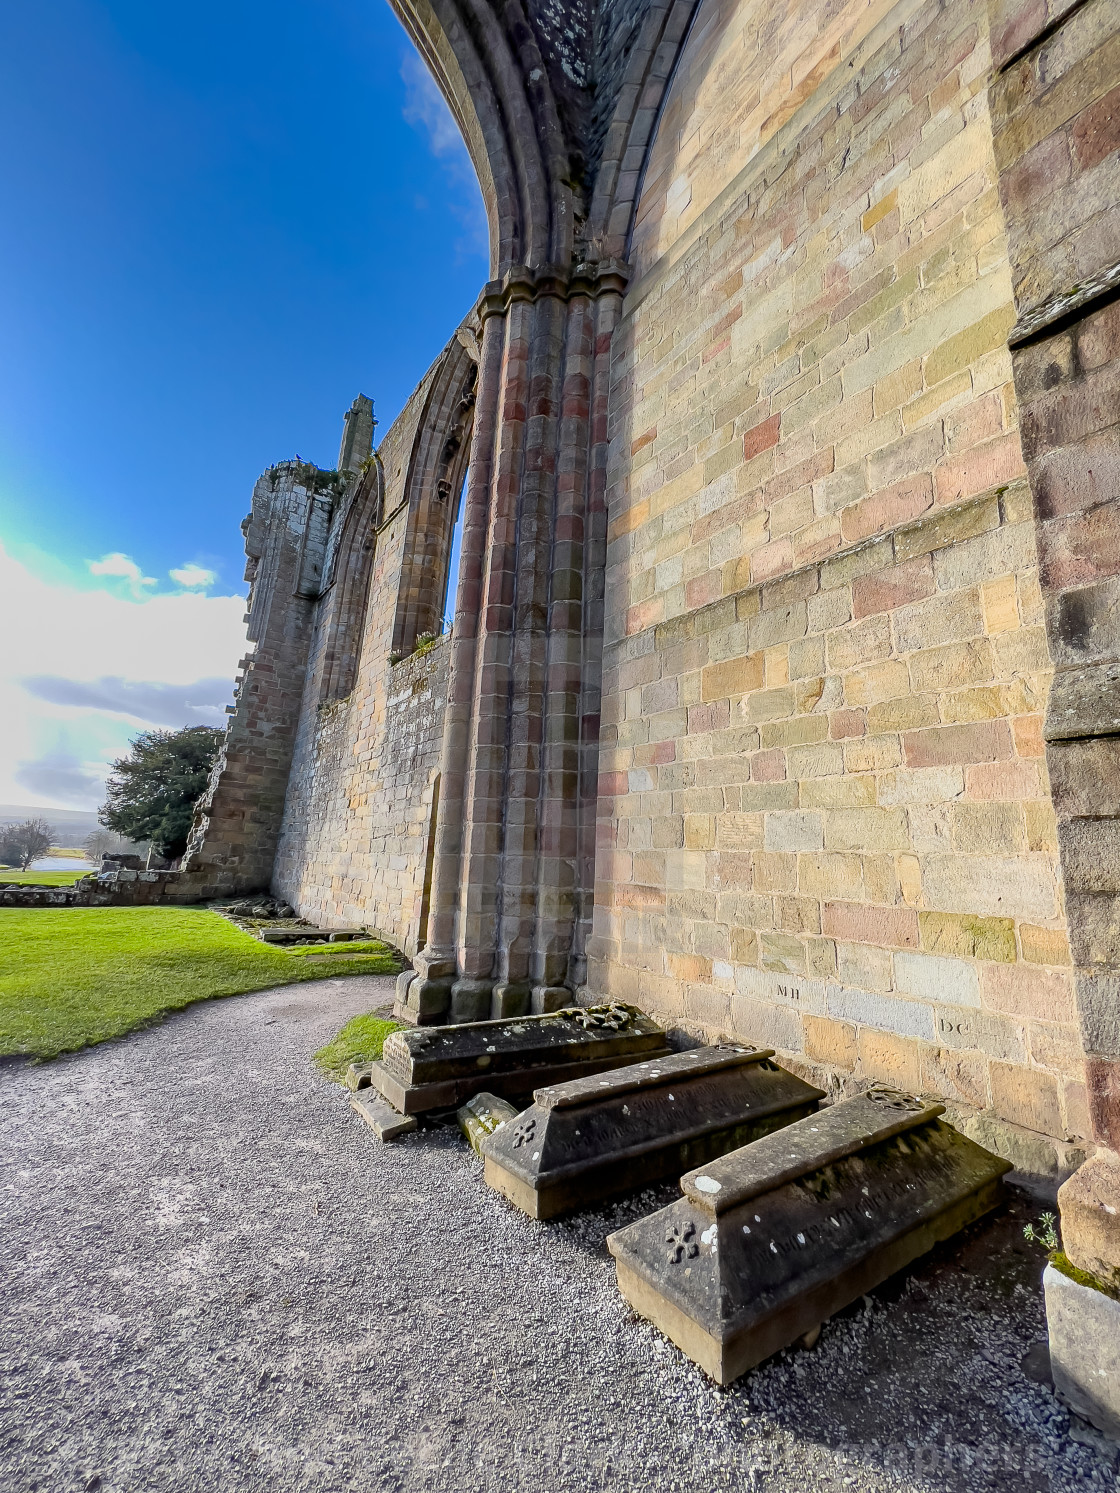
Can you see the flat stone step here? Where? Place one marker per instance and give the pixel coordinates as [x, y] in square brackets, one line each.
[440, 1067]
[385, 1122]
[311, 935]
[595, 1138]
[768, 1242]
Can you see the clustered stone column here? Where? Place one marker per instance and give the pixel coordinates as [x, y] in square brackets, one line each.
[514, 863]
[1057, 144]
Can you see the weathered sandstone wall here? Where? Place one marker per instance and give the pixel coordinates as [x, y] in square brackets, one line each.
[825, 818]
[354, 845]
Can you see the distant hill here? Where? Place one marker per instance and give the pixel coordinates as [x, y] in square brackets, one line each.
[73, 825]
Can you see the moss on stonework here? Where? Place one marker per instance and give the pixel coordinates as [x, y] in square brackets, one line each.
[359, 1041]
[1065, 1266]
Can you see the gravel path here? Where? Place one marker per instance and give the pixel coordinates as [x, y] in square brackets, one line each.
[215, 1279]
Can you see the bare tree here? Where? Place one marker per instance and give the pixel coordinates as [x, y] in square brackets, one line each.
[20, 844]
[101, 842]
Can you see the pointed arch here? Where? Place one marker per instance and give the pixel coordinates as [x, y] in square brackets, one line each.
[489, 65]
[437, 466]
[346, 590]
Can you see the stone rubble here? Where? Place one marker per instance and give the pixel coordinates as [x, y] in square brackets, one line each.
[481, 1116]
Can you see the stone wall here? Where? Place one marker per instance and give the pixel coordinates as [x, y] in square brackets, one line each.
[354, 845]
[1056, 111]
[357, 828]
[795, 407]
[825, 817]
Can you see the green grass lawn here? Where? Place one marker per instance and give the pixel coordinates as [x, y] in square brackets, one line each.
[43, 878]
[359, 1041]
[73, 976]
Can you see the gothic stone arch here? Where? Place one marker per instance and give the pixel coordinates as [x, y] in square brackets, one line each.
[557, 108]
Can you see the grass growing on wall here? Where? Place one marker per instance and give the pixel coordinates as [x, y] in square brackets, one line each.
[70, 977]
[359, 1041]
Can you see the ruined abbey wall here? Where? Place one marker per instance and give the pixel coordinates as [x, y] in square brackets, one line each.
[793, 401]
[825, 819]
[357, 825]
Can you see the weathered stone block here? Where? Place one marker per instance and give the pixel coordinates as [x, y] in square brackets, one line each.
[427, 1003]
[470, 1001]
[1090, 1207]
[359, 1076]
[442, 1067]
[481, 1116]
[887, 1013]
[769, 1242]
[799, 830]
[385, 1122]
[1084, 1328]
[951, 982]
[595, 1138]
[1027, 1097]
[968, 936]
[1084, 702]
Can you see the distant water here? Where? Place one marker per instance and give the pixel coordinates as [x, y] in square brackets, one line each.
[62, 863]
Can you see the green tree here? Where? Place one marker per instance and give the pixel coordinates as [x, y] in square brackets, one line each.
[151, 793]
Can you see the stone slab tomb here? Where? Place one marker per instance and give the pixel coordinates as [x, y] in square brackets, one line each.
[594, 1138]
[440, 1067]
[770, 1241]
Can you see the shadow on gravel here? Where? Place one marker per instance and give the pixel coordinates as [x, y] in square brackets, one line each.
[920, 1384]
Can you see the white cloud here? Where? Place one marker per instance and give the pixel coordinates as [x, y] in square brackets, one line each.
[426, 107]
[83, 670]
[122, 567]
[193, 575]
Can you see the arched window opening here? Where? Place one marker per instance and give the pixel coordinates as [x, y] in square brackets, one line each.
[451, 584]
[347, 580]
[433, 492]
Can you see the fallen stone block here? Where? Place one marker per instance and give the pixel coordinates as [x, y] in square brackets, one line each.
[768, 1242]
[440, 1067]
[382, 1118]
[1084, 1328]
[359, 1075]
[482, 1115]
[594, 1138]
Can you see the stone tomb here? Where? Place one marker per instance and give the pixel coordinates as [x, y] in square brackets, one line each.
[440, 1067]
[594, 1138]
[770, 1241]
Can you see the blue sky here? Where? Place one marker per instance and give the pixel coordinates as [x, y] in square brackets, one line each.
[220, 223]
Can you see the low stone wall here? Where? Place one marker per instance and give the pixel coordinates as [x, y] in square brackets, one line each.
[124, 888]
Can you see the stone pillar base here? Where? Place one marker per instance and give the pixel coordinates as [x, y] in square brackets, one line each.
[428, 1001]
[547, 998]
[510, 999]
[1084, 1326]
[470, 1001]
